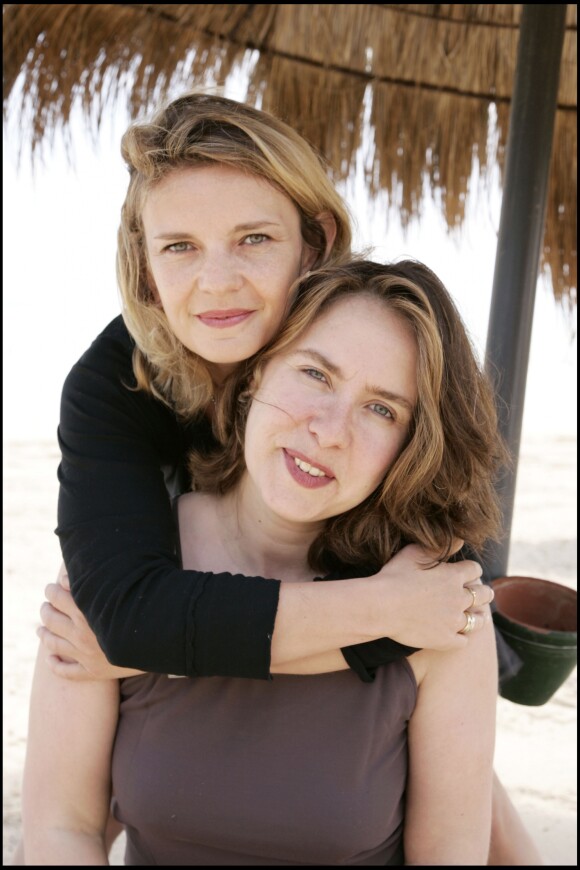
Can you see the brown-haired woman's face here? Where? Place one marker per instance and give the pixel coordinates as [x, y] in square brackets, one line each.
[223, 248]
[332, 411]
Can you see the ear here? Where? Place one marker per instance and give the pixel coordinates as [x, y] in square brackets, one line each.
[328, 221]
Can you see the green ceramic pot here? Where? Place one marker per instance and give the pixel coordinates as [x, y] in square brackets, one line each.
[537, 618]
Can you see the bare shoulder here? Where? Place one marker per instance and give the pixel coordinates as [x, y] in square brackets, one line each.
[477, 656]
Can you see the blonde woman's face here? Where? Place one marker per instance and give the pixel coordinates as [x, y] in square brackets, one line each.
[223, 249]
[332, 412]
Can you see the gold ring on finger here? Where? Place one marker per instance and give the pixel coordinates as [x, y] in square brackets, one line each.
[472, 590]
[469, 624]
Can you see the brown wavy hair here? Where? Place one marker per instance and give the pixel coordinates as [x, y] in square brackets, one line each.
[196, 130]
[441, 485]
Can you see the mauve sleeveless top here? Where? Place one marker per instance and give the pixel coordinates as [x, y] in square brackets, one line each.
[296, 770]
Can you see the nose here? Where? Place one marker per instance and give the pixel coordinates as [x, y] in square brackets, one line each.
[218, 274]
[331, 423]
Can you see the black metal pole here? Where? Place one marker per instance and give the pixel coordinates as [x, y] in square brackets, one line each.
[520, 236]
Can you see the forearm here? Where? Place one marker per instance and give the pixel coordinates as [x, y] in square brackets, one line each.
[410, 603]
[315, 619]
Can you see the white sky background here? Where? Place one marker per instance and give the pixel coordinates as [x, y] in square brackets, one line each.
[60, 287]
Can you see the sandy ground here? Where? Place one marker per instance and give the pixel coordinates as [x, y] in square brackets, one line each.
[536, 746]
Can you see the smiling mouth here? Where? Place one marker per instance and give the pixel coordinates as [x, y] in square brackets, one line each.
[306, 474]
[223, 318]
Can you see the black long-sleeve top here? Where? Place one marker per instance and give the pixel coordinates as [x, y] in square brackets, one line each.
[122, 461]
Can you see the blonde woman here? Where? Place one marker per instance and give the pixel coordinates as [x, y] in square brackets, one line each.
[226, 206]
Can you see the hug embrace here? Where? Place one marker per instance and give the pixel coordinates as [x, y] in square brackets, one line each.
[267, 464]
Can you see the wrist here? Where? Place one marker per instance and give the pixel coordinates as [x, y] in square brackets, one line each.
[367, 613]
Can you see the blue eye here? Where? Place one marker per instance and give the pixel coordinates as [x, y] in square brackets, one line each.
[315, 374]
[255, 238]
[178, 247]
[383, 411]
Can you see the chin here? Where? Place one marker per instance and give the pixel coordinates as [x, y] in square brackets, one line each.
[300, 517]
[231, 356]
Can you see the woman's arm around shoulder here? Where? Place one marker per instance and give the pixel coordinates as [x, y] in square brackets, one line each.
[118, 535]
[67, 773]
[451, 746]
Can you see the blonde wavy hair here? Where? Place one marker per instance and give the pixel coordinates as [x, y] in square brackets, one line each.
[442, 484]
[196, 130]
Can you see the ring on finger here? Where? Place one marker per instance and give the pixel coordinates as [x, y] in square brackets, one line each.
[472, 590]
[469, 624]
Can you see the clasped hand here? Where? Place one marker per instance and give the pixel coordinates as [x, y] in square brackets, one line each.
[74, 651]
[429, 604]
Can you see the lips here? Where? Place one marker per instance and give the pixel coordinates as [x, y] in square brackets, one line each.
[223, 318]
[303, 477]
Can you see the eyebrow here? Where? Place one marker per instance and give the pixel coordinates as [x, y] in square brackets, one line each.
[247, 227]
[336, 370]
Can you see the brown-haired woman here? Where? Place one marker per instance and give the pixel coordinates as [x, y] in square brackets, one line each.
[350, 411]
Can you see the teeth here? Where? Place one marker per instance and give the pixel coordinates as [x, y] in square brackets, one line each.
[309, 469]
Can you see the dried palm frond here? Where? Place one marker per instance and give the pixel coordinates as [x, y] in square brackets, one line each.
[422, 76]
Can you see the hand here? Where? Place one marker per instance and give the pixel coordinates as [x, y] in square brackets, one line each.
[426, 602]
[74, 652]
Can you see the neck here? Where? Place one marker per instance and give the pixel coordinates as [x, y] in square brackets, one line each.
[220, 371]
[264, 543]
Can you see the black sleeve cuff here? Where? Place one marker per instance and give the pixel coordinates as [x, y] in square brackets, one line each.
[365, 658]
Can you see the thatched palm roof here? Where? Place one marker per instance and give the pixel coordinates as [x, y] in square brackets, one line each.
[424, 76]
